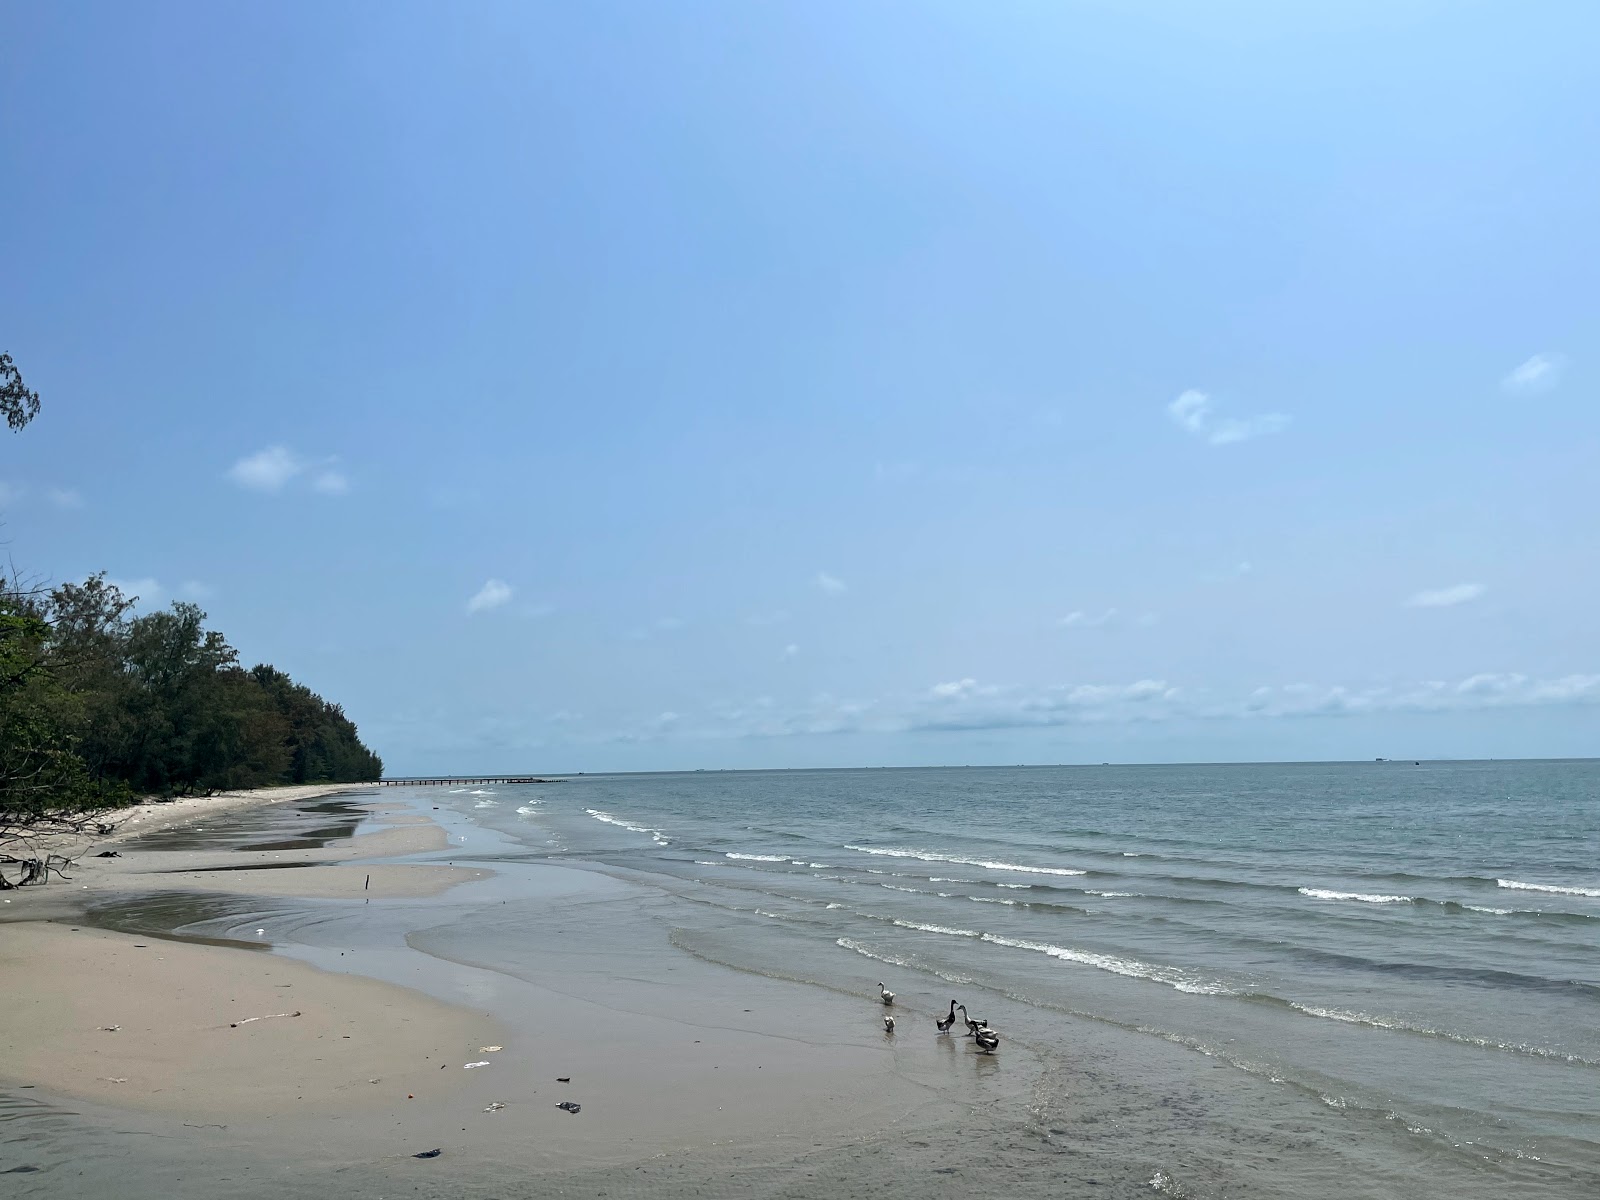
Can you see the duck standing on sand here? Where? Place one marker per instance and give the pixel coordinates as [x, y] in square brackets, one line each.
[988, 1040]
[972, 1026]
[885, 993]
[888, 1024]
[943, 1024]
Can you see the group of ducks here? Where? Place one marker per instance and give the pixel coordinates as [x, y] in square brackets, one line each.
[988, 1040]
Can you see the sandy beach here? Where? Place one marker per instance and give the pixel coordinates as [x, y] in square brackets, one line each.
[243, 979]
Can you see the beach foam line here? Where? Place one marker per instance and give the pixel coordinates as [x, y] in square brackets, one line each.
[783, 858]
[944, 929]
[1173, 977]
[1550, 888]
[1397, 1025]
[934, 856]
[1364, 897]
[660, 838]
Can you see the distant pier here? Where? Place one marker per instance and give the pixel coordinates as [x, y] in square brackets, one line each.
[444, 780]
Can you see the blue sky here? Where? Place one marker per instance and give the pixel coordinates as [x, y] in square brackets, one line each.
[638, 385]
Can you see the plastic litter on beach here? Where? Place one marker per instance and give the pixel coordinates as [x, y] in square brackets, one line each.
[563, 1078]
[495, 1107]
[109, 1028]
[469, 1066]
[570, 1106]
[488, 1049]
[428, 1154]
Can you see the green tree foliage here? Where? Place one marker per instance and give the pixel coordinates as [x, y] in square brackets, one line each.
[17, 403]
[168, 709]
[322, 741]
[98, 705]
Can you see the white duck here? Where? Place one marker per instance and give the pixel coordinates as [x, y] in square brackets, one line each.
[885, 993]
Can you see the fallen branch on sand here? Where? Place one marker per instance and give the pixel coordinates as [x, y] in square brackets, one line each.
[267, 1017]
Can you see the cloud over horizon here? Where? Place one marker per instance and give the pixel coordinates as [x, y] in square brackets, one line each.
[273, 469]
[495, 593]
[965, 705]
[1192, 411]
[1446, 597]
[830, 584]
[1537, 374]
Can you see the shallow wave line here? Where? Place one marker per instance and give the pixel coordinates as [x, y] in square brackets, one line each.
[988, 864]
[1553, 889]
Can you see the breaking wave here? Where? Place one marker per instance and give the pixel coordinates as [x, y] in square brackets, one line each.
[1552, 889]
[656, 835]
[989, 864]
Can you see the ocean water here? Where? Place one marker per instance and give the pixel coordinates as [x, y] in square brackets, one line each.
[1387, 967]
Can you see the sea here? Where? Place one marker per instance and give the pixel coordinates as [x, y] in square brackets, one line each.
[1385, 972]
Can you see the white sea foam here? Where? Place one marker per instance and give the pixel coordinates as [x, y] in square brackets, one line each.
[527, 810]
[993, 900]
[487, 804]
[656, 835]
[895, 887]
[1364, 897]
[820, 866]
[944, 929]
[852, 944]
[1553, 889]
[1015, 885]
[1133, 968]
[1110, 894]
[1396, 1024]
[481, 792]
[757, 857]
[700, 862]
[988, 864]
[1498, 912]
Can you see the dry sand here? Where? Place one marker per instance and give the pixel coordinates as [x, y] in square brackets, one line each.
[162, 1026]
[158, 1025]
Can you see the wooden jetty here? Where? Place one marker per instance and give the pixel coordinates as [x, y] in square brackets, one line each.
[444, 780]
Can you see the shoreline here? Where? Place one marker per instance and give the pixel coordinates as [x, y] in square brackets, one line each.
[675, 1062]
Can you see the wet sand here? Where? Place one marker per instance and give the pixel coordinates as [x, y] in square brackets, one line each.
[403, 972]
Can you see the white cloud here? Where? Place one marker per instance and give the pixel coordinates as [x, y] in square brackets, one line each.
[273, 469]
[965, 705]
[828, 583]
[1078, 619]
[492, 594]
[1539, 373]
[148, 591]
[331, 483]
[1192, 411]
[268, 470]
[65, 497]
[1446, 597]
[894, 472]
